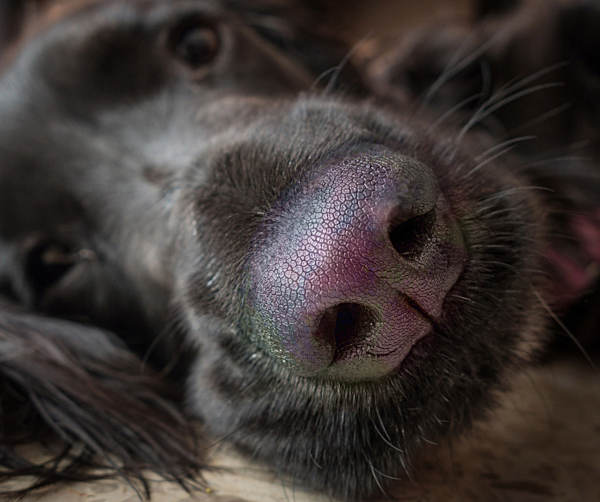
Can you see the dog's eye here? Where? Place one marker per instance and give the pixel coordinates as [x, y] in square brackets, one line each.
[46, 263]
[194, 43]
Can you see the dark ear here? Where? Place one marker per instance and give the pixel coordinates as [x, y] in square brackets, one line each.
[77, 387]
[487, 8]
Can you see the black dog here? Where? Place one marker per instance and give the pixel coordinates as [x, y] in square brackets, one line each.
[197, 221]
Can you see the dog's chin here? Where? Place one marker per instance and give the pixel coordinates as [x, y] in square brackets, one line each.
[331, 434]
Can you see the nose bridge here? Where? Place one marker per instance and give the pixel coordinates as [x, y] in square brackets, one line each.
[337, 234]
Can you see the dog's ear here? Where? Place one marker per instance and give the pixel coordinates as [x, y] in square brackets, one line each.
[487, 8]
[580, 34]
[64, 383]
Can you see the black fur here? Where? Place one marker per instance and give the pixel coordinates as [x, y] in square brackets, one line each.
[138, 180]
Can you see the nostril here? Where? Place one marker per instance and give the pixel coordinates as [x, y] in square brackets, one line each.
[410, 236]
[346, 325]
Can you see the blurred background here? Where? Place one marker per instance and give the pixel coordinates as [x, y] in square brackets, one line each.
[355, 19]
[359, 18]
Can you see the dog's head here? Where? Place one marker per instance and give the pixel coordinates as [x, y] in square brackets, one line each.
[353, 283]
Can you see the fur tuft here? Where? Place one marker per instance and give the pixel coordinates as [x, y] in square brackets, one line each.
[67, 384]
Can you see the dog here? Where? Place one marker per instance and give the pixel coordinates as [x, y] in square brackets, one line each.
[208, 213]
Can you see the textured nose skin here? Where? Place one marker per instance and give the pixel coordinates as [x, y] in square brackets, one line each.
[355, 266]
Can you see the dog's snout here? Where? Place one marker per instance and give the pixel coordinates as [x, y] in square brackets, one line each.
[359, 261]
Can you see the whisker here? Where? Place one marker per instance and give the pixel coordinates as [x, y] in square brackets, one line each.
[336, 70]
[553, 160]
[490, 159]
[375, 477]
[446, 115]
[508, 93]
[464, 299]
[509, 142]
[512, 190]
[382, 424]
[544, 116]
[514, 85]
[566, 330]
[321, 77]
[455, 65]
[487, 109]
[385, 437]
[512, 144]
[487, 213]
[388, 476]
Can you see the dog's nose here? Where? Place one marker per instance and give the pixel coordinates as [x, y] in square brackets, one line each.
[354, 267]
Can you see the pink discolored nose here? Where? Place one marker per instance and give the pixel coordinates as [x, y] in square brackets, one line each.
[354, 267]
